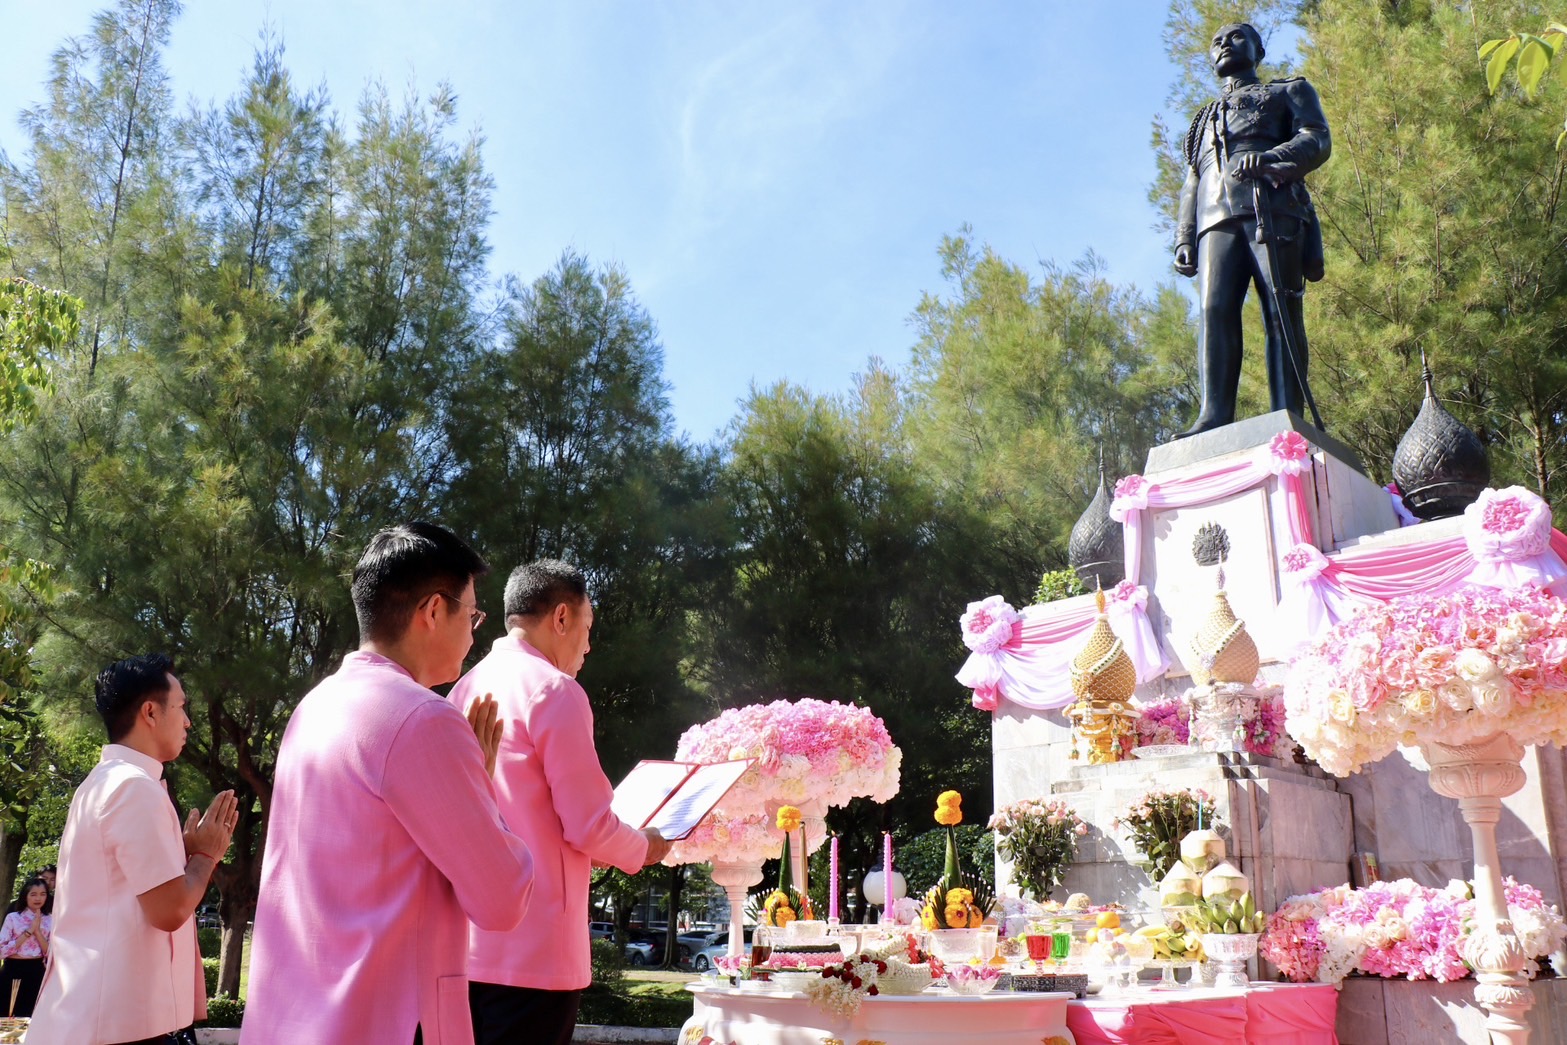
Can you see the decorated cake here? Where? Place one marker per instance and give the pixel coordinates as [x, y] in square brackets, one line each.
[805, 945]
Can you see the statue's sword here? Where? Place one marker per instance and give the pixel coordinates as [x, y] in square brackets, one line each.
[1264, 210]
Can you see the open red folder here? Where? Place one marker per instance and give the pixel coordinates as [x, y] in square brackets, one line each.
[674, 796]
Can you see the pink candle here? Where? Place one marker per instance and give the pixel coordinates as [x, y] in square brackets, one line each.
[832, 880]
[886, 870]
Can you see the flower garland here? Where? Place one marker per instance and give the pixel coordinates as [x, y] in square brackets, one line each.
[1160, 819]
[805, 750]
[1039, 838]
[1453, 668]
[1399, 929]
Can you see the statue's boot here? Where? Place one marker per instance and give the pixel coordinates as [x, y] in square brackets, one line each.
[1219, 376]
[1205, 423]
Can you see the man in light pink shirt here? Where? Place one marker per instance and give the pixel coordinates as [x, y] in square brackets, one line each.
[527, 982]
[122, 964]
[383, 838]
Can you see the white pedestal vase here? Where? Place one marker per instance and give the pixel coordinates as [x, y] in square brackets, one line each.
[1480, 775]
[735, 880]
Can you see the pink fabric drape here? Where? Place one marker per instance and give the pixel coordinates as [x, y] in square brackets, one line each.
[1283, 1014]
[1302, 1014]
[1033, 669]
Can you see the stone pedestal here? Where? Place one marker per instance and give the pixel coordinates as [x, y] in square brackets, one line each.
[1292, 828]
[1287, 826]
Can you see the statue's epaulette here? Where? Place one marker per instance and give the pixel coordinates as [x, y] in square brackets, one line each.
[1287, 79]
[1195, 131]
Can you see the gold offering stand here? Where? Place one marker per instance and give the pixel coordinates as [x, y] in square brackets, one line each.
[1104, 723]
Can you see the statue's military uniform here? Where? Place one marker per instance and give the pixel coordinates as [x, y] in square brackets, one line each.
[1217, 220]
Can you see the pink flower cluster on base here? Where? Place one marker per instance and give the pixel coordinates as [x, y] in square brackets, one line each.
[1397, 929]
[1168, 721]
[807, 751]
[1452, 668]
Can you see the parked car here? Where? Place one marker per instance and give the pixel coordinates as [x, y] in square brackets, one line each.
[639, 952]
[601, 930]
[717, 947]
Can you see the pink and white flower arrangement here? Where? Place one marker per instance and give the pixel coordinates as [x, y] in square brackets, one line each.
[1454, 668]
[1165, 721]
[807, 752]
[1398, 929]
[989, 625]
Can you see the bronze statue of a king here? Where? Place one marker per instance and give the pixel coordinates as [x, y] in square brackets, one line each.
[1245, 219]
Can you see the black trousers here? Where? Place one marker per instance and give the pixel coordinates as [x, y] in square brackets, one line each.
[29, 973]
[1230, 262]
[505, 1015]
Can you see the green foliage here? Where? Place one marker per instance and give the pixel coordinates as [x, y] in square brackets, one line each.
[1159, 820]
[565, 447]
[1017, 380]
[209, 973]
[1534, 55]
[641, 1008]
[210, 940]
[35, 324]
[608, 961]
[224, 1010]
[1055, 585]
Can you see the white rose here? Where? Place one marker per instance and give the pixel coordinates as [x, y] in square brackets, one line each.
[1494, 696]
[1455, 694]
[1472, 665]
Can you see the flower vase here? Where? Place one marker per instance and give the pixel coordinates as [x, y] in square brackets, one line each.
[735, 880]
[1480, 775]
[1230, 952]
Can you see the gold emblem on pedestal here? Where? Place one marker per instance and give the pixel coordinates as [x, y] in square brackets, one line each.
[1104, 724]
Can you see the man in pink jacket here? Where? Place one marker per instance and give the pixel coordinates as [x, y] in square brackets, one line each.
[384, 839]
[527, 982]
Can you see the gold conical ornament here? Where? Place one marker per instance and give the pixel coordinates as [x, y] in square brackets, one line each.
[1103, 678]
[1102, 671]
[1225, 652]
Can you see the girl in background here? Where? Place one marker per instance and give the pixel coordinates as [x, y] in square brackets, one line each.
[24, 944]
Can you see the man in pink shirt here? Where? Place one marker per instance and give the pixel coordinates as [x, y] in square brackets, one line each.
[122, 962]
[384, 839]
[527, 982]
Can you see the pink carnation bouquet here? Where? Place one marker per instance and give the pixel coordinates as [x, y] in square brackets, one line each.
[1454, 668]
[807, 751]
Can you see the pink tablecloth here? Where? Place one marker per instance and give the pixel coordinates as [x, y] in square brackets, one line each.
[1268, 1014]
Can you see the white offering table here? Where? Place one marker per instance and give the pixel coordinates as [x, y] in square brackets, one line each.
[729, 1016]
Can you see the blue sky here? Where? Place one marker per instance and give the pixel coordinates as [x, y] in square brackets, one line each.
[775, 178]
